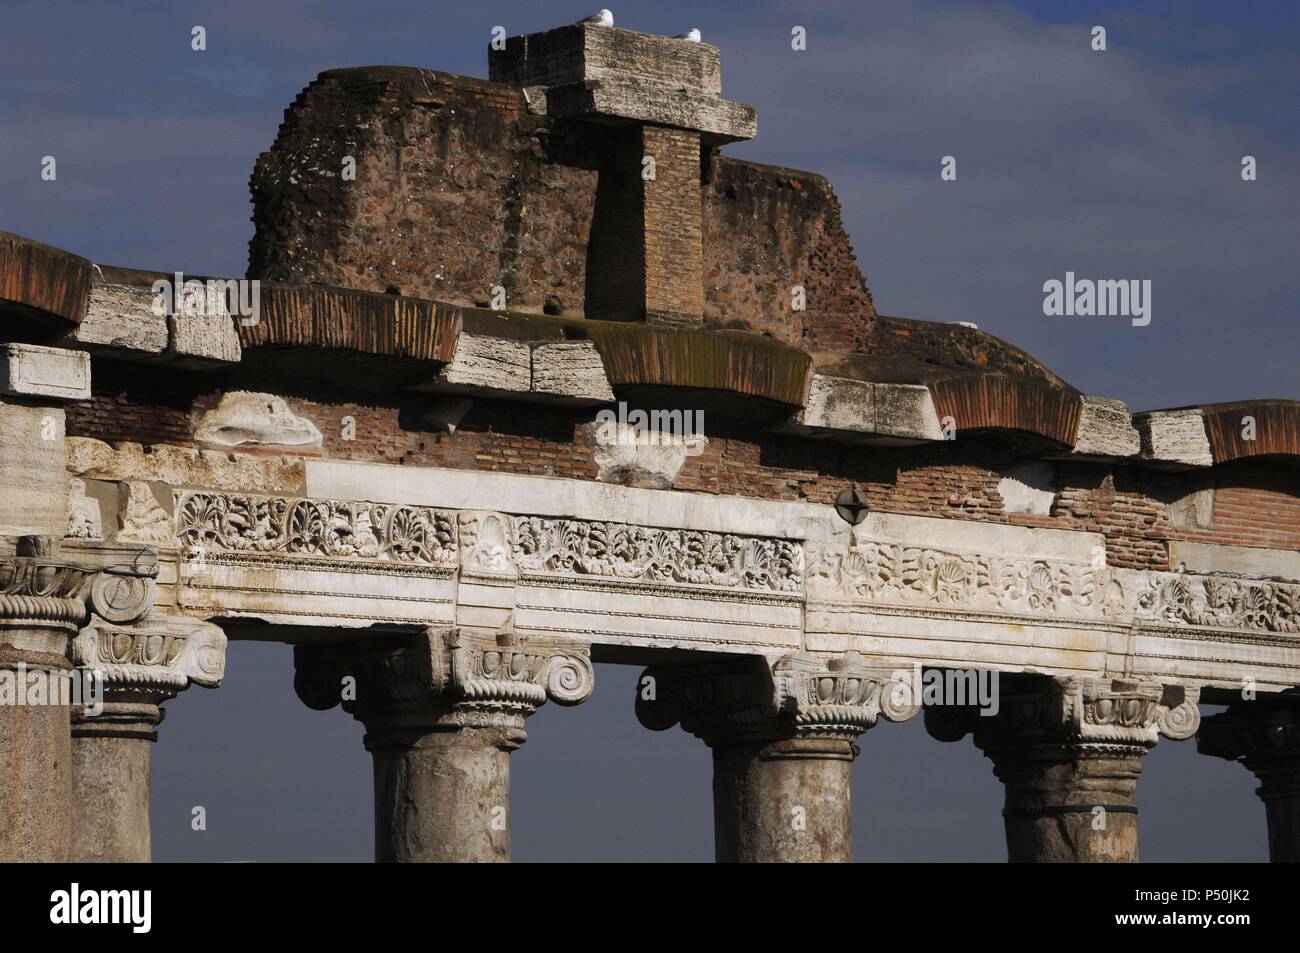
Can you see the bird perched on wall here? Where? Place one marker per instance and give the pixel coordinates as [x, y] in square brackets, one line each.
[693, 34]
[599, 18]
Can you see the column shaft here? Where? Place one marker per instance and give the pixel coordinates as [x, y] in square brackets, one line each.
[783, 802]
[112, 772]
[1075, 806]
[35, 765]
[442, 796]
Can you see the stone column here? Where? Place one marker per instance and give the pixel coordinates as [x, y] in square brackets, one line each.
[442, 713]
[783, 742]
[41, 607]
[1068, 752]
[139, 667]
[1264, 735]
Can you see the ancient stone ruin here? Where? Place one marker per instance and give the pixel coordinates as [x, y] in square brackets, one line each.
[535, 376]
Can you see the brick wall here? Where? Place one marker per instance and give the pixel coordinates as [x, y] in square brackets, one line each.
[1257, 503]
[674, 286]
[459, 188]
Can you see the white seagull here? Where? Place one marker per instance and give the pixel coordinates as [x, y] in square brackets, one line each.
[599, 18]
[693, 34]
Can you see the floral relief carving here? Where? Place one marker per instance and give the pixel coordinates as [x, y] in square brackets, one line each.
[894, 572]
[214, 522]
[621, 551]
[1185, 599]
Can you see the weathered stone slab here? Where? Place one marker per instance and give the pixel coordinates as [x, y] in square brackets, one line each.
[1246, 560]
[1175, 436]
[203, 339]
[30, 370]
[183, 466]
[496, 363]
[839, 407]
[570, 369]
[33, 471]
[121, 318]
[582, 499]
[1106, 429]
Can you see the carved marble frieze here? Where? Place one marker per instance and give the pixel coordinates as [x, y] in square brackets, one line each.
[619, 551]
[897, 574]
[211, 524]
[1219, 602]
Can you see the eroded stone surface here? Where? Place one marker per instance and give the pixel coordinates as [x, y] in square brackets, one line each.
[250, 418]
[1029, 488]
[570, 369]
[182, 466]
[1106, 429]
[1175, 436]
[645, 458]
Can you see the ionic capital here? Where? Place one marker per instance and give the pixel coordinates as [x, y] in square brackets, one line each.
[1263, 735]
[444, 678]
[159, 653]
[1099, 714]
[800, 696]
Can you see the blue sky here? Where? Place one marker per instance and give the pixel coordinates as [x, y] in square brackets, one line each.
[1122, 164]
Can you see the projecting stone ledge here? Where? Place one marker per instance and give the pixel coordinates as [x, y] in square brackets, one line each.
[1106, 430]
[121, 322]
[842, 408]
[608, 75]
[1175, 437]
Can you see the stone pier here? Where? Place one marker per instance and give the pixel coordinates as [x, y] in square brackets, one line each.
[783, 742]
[443, 711]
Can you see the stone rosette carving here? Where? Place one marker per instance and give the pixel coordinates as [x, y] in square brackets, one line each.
[159, 652]
[1097, 713]
[798, 696]
[445, 678]
[646, 554]
[219, 523]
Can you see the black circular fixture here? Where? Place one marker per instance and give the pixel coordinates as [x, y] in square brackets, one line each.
[852, 506]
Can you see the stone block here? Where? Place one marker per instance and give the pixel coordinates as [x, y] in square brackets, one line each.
[497, 363]
[33, 471]
[30, 370]
[1106, 429]
[1175, 436]
[570, 369]
[120, 318]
